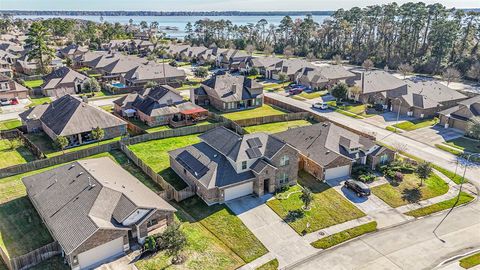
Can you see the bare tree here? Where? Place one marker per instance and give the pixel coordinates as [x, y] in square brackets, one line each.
[337, 59]
[310, 56]
[450, 75]
[399, 147]
[288, 52]
[367, 64]
[474, 71]
[405, 69]
[268, 50]
[250, 49]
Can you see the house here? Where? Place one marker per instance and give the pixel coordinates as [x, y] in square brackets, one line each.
[229, 93]
[192, 53]
[376, 87]
[226, 166]
[11, 89]
[233, 60]
[74, 119]
[88, 59]
[290, 67]
[154, 72]
[207, 57]
[176, 50]
[264, 65]
[72, 51]
[425, 99]
[328, 151]
[460, 115]
[93, 208]
[28, 66]
[323, 76]
[160, 105]
[11, 47]
[6, 68]
[63, 81]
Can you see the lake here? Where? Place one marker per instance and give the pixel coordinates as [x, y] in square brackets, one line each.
[178, 21]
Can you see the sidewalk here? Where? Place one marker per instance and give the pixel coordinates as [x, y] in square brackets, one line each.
[314, 236]
[258, 262]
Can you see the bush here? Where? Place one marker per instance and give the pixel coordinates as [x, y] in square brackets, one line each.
[367, 178]
[398, 176]
[173, 63]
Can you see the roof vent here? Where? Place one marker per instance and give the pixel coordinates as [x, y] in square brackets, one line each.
[328, 152]
[80, 173]
[90, 184]
[215, 155]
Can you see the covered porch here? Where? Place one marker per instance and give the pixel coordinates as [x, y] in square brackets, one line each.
[188, 117]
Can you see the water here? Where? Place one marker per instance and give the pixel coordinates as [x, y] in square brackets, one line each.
[178, 22]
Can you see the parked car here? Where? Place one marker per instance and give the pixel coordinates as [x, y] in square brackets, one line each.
[295, 91]
[358, 187]
[14, 101]
[4, 102]
[320, 105]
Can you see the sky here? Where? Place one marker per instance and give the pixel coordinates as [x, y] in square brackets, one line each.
[210, 5]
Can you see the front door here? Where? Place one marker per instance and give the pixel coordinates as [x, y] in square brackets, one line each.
[266, 186]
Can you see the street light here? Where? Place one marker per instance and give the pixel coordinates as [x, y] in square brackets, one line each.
[398, 113]
[469, 156]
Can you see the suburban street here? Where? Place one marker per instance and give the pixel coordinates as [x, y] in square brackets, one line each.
[416, 148]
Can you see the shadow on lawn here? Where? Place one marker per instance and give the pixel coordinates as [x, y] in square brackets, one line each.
[293, 215]
[412, 195]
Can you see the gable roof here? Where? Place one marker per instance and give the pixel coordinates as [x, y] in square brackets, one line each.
[60, 76]
[78, 199]
[153, 71]
[69, 115]
[429, 94]
[378, 81]
[231, 88]
[465, 110]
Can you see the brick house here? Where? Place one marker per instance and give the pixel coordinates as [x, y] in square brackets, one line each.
[74, 119]
[94, 208]
[160, 105]
[11, 89]
[225, 165]
[328, 151]
[72, 51]
[323, 77]
[460, 115]
[62, 81]
[154, 72]
[229, 93]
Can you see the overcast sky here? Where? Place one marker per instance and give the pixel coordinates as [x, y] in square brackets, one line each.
[209, 5]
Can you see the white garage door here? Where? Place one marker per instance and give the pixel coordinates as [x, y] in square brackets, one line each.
[238, 191]
[337, 172]
[100, 253]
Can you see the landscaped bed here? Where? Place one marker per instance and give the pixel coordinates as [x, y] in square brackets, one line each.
[10, 124]
[470, 261]
[226, 226]
[416, 124]
[424, 211]
[327, 208]
[346, 235]
[277, 127]
[10, 157]
[265, 110]
[409, 190]
[21, 229]
[154, 153]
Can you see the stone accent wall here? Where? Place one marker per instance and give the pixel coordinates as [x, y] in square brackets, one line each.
[291, 169]
[163, 217]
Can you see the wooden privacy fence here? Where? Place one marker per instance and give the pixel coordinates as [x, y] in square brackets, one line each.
[32, 258]
[274, 118]
[15, 133]
[171, 192]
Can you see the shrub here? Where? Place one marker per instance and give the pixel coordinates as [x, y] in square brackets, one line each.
[367, 178]
[398, 176]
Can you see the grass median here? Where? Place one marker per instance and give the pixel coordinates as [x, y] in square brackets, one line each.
[437, 207]
[345, 235]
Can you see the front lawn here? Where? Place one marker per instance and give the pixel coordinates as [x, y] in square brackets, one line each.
[416, 124]
[277, 127]
[56, 262]
[108, 108]
[204, 251]
[409, 190]
[10, 124]
[345, 235]
[465, 144]
[328, 208]
[226, 226]
[21, 229]
[470, 261]
[154, 153]
[272, 87]
[34, 83]
[265, 110]
[356, 110]
[39, 101]
[437, 207]
[9, 157]
[313, 95]
[271, 265]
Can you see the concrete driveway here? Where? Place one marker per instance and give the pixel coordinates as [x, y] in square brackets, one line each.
[373, 206]
[126, 262]
[386, 119]
[276, 235]
[434, 135]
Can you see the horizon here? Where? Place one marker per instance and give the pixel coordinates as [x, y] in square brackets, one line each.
[211, 5]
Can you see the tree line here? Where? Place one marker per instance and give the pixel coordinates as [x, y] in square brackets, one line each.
[429, 38]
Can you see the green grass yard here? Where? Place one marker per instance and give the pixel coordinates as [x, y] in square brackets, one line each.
[9, 157]
[108, 108]
[34, 83]
[313, 95]
[416, 124]
[470, 261]
[271, 265]
[357, 111]
[226, 226]
[437, 207]
[328, 207]
[21, 229]
[409, 190]
[56, 262]
[10, 124]
[277, 127]
[265, 110]
[345, 235]
[154, 153]
[39, 101]
[465, 144]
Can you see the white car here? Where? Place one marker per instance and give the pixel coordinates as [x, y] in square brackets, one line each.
[320, 105]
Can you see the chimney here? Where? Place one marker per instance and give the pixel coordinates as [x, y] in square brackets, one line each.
[234, 88]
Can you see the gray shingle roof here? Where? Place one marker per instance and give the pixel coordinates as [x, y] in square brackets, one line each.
[379, 81]
[429, 94]
[60, 76]
[232, 88]
[69, 115]
[77, 199]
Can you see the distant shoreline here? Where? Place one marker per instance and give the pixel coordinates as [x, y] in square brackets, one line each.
[161, 13]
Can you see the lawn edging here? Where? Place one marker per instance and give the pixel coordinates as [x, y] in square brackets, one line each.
[345, 236]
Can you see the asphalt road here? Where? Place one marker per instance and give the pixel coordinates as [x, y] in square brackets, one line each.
[416, 148]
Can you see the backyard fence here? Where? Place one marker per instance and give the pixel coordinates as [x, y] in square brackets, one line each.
[17, 134]
[32, 258]
[313, 116]
[170, 192]
[136, 130]
[274, 118]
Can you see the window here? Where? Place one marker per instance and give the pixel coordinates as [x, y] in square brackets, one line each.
[152, 222]
[244, 165]
[283, 178]
[284, 161]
